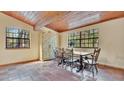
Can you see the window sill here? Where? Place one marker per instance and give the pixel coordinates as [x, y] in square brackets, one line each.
[16, 48]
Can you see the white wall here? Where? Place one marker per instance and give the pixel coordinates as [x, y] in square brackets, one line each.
[17, 55]
[111, 39]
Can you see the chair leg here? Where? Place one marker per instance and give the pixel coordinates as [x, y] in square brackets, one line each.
[90, 67]
[96, 68]
[63, 63]
[93, 71]
[72, 67]
[59, 62]
[82, 72]
[65, 66]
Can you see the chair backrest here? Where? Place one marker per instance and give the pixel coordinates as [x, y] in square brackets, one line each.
[58, 52]
[68, 53]
[96, 54]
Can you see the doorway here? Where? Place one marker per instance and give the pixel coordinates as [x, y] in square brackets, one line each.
[49, 43]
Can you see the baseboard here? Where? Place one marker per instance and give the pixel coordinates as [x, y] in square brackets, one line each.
[22, 62]
[108, 66]
[30, 61]
[50, 59]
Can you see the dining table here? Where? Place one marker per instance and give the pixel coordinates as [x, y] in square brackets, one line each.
[82, 55]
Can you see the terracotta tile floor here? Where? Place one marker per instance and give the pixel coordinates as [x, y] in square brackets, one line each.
[49, 71]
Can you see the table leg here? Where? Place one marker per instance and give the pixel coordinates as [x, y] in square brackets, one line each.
[81, 65]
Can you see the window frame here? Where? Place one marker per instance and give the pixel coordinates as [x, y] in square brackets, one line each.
[89, 39]
[17, 40]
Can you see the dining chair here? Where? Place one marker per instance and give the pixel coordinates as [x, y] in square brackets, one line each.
[58, 55]
[70, 59]
[90, 61]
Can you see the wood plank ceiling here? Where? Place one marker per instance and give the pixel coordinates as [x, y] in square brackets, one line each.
[63, 20]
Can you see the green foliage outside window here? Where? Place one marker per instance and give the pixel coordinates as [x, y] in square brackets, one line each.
[17, 38]
[84, 39]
